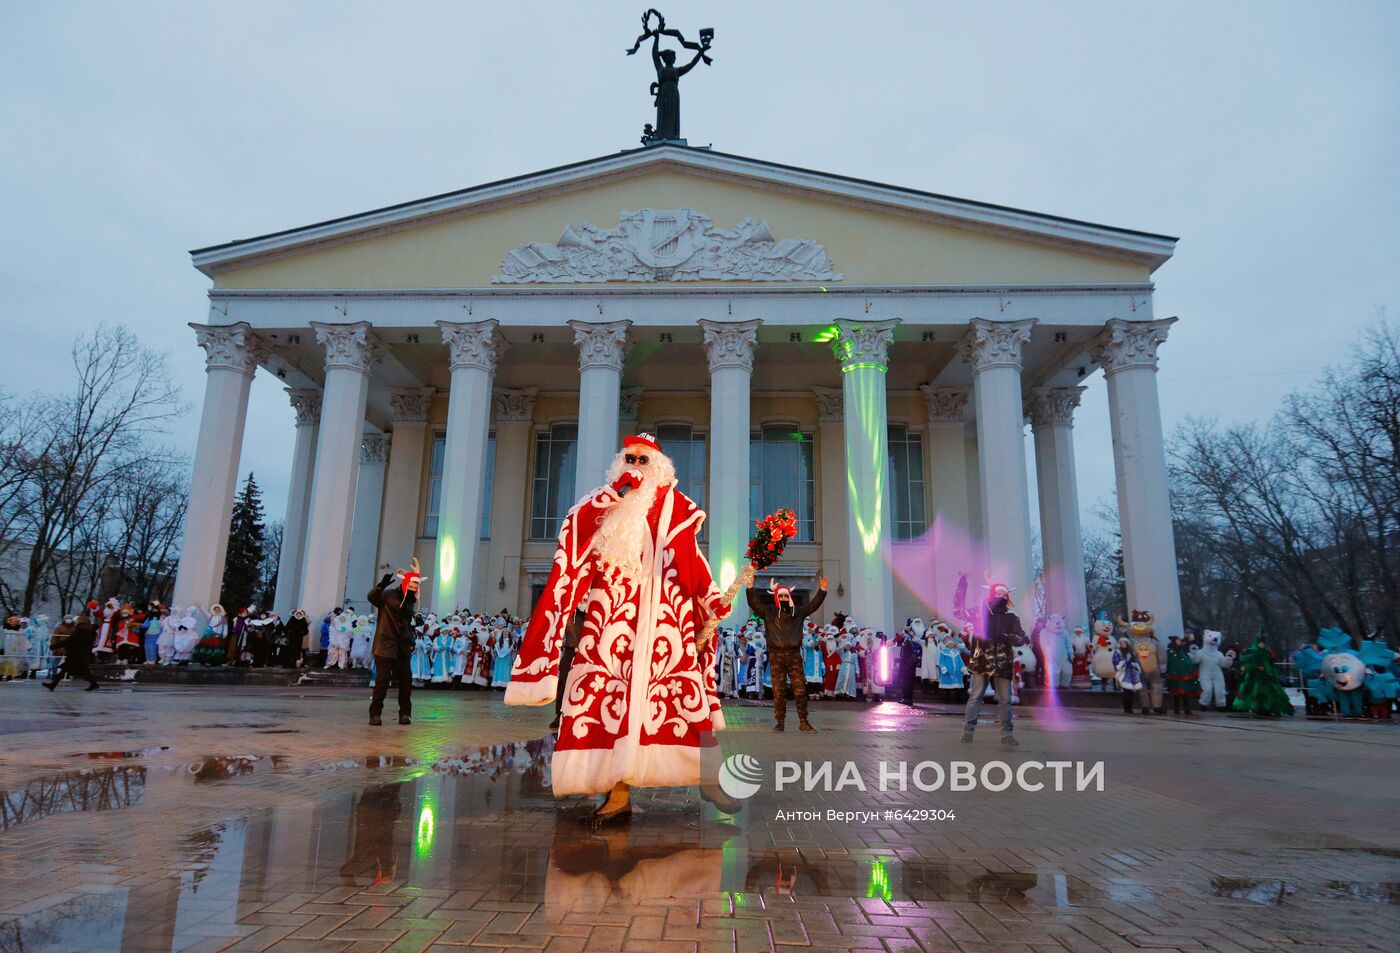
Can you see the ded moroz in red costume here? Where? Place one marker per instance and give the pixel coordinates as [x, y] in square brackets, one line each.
[640, 700]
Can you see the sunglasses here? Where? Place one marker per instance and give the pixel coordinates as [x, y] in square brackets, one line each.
[634, 458]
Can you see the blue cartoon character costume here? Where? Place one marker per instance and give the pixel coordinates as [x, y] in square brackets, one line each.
[1343, 674]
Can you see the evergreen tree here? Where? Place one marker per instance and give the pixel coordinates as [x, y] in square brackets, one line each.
[246, 540]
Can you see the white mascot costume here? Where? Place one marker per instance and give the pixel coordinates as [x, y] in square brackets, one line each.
[1056, 650]
[1212, 663]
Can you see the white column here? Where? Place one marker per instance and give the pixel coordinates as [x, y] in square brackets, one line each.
[993, 348]
[1127, 352]
[232, 354]
[955, 545]
[474, 348]
[307, 404]
[1051, 410]
[362, 570]
[350, 351]
[729, 348]
[831, 446]
[601, 351]
[398, 522]
[515, 410]
[862, 347]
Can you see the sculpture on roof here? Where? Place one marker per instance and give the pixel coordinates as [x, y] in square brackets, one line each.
[666, 89]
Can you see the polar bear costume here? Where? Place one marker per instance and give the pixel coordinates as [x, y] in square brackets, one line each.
[1055, 649]
[1212, 662]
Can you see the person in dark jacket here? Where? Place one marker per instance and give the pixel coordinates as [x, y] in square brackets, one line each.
[297, 628]
[572, 630]
[998, 633]
[782, 630]
[395, 597]
[908, 653]
[77, 658]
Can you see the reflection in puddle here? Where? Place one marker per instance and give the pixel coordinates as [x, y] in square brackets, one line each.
[123, 755]
[1373, 892]
[484, 822]
[223, 767]
[1255, 891]
[104, 789]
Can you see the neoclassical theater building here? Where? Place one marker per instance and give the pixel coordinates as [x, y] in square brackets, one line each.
[461, 368]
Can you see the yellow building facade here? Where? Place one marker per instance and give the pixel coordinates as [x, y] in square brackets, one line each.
[463, 366]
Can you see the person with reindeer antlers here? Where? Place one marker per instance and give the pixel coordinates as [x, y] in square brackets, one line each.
[395, 597]
[782, 627]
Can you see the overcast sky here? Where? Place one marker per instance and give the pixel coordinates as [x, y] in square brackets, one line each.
[1265, 135]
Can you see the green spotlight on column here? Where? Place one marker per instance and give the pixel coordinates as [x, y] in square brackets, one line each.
[427, 823]
[866, 500]
[879, 888]
[728, 569]
[828, 334]
[447, 561]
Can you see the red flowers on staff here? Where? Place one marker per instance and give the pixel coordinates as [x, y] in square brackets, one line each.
[774, 531]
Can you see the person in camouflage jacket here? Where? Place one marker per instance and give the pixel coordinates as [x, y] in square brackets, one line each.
[997, 631]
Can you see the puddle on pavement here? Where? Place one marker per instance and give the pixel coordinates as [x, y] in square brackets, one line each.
[484, 820]
[122, 755]
[1385, 892]
[92, 789]
[1255, 891]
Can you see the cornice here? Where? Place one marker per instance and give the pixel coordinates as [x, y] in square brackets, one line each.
[1150, 249]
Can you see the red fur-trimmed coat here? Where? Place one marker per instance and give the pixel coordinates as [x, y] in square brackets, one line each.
[624, 722]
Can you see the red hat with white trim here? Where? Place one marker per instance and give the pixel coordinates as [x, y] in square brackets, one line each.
[642, 439]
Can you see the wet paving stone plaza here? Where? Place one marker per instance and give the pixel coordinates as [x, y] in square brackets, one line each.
[164, 819]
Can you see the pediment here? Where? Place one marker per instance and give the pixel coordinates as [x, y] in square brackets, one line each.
[685, 216]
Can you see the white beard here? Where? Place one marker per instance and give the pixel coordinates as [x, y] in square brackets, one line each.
[622, 538]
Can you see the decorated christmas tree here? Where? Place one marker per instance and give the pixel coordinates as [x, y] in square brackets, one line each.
[1260, 692]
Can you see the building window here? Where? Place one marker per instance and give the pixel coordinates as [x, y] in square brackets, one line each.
[488, 485]
[906, 483]
[780, 476]
[556, 455]
[430, 519]
[686, 448]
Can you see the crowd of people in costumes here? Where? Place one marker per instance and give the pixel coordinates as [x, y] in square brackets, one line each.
[461, 650]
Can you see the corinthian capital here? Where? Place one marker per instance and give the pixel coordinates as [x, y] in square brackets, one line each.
[374, 448]
[945, 404]
[730, 344]
[473, 344]
[307, 404]
[601, 345]
[831, 404]
[410, 404]
[995, 343]
[232, 347]
[1125, 344]
[349, 345]
[863, 344]
[1053, 405]
[629, 404]
[514, 405]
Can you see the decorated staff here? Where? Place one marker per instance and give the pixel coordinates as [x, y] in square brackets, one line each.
[765, 549]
